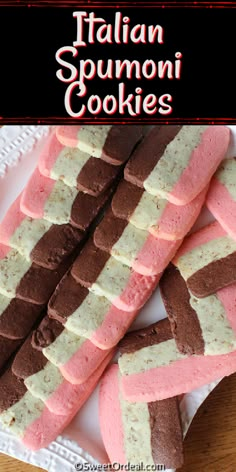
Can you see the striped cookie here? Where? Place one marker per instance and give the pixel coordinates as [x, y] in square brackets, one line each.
[56, 202]
[152, 368]
[207, 260]
[38, 240]
[113, 144]
[221, 198]
[181, 160]
[134, 247]
[156, 215]
[22, 279]
[45, 381]
[26, 416]
[88, 315]
[75, 168]
[139, 433]
[17, 317]
[78, 361]
[199, 326]
[105, 276]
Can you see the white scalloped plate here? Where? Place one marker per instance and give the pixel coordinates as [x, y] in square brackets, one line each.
[81, 442]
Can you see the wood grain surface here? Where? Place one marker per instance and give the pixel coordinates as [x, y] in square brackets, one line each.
[210, 445]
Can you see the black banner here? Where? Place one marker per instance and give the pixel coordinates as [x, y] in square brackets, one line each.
[155, 62]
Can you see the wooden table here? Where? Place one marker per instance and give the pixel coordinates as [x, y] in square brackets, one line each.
[210, 445]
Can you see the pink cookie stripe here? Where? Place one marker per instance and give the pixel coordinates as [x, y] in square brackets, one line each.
[227, 297]
[222, 206]
[203, 236]
[49, 155]
[36, 194]
[4, 250]
[137, 291]
[155, 255]
[203, 163]
[83, 363]
[41, 432]
[67, 397]
[179, 377]
[172, 224]
[111, 427]
[11, 221]
[113, 328]
[68, 135]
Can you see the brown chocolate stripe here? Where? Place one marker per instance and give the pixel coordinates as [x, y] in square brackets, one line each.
[184, 322]
[46, 333]
[89, 264]
[154, 334]
[213, 277]
[12, 390]
[56, 245]
[68, 296]
[96, 176]
[7, 348]
[38, 283]
[126, 200]
[18, 318]
[149, 152]
[120, 142]
[166, 433]
[109, 231]
[28, 361]
[86, 208]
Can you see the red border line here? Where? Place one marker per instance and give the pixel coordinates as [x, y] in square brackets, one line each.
[110, 5]
[122, 120]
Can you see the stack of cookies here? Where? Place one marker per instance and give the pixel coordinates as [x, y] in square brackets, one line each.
[47, 380]
[91, 275]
